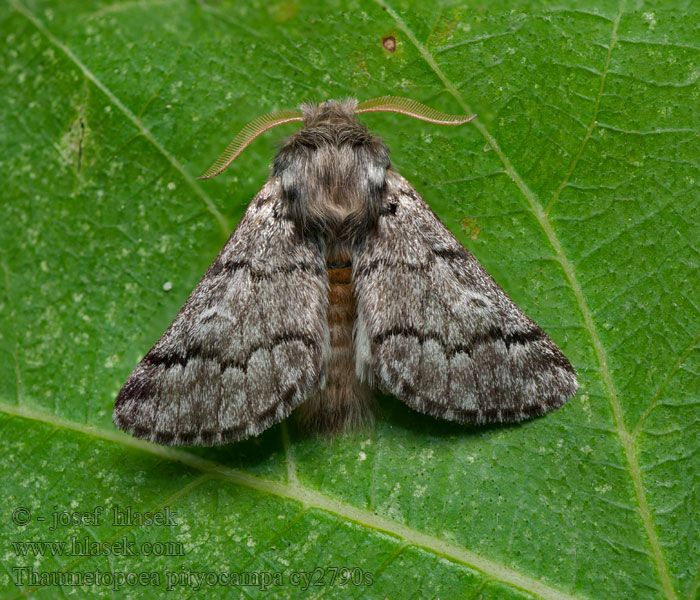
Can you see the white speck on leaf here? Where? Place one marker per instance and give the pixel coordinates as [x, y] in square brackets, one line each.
[650, 18]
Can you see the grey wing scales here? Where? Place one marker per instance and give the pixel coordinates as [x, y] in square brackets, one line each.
[434, 329]
[249, 345]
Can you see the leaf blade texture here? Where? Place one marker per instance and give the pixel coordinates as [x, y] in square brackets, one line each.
[576, 188]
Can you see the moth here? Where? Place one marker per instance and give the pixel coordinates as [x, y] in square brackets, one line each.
[339, 278]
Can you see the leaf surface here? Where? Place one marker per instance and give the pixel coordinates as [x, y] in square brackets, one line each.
[576, 187]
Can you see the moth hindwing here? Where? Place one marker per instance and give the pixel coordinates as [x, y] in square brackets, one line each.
[339, 278]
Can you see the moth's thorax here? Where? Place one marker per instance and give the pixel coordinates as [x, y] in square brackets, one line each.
[332, 171]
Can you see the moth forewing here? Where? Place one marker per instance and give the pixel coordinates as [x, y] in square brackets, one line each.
[338, 278]
[452, 344]
[237, 358]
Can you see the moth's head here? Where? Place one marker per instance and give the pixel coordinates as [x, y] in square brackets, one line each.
[331, 168]
[330, 122]
[335, 111]
[330, 131]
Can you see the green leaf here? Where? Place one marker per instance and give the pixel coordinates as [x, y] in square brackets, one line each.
[576, 187]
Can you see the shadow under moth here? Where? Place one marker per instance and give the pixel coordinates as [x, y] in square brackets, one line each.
[339, 278]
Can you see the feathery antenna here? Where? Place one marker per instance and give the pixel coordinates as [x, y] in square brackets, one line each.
[247, 135]
[395, 104]
[406, 106]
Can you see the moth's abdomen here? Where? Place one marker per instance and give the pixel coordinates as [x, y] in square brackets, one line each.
[341, 309]
[344, 402]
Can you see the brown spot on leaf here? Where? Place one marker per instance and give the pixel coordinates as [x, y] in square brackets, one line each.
[469, 225]
[389, 43]
[281, 12]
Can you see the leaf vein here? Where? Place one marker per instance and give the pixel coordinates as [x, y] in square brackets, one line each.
[309, 498]
[143, 130]
[568, 267]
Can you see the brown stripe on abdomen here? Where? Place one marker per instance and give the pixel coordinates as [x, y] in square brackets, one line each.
[344, 402]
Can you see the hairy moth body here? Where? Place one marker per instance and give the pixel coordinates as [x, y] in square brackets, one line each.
[339, 278]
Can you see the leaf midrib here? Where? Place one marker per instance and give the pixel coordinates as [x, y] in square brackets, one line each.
[308, 497]
[627, 439]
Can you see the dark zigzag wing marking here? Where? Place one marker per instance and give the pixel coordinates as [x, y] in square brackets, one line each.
[490, 336]
[437, 331]
[248, 346]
